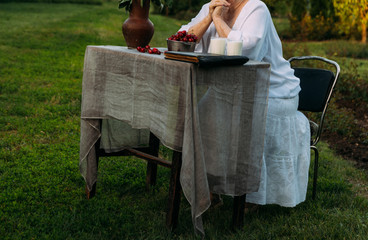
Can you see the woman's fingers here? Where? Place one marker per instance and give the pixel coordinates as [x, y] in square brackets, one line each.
[217, 3]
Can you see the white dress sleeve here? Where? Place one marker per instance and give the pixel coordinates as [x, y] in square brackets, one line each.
[201, 46]
[251, 28]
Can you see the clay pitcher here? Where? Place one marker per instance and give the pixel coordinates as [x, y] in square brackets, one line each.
[138, 29]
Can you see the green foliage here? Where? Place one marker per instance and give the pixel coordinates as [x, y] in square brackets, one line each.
[314, 20]
[184, 9]
[327, 19]
[95, 2]
[352, 86]
[127, 4]
[299, 9]
[317, 28]
[347, 49]
[323, 8]
[295, 49]
[277, 7]
[353, 17]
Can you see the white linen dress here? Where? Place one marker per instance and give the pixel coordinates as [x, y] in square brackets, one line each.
[286, 156]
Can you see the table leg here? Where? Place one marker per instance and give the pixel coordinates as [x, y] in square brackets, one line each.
[238, 211]
[151, 173]
[92, 193]
[174, 192]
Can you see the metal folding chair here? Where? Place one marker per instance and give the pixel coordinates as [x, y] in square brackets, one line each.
[317, 85]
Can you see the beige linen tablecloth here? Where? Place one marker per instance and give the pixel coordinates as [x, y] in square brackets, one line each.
[214, 116]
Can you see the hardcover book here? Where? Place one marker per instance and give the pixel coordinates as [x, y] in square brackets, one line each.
[206, 59]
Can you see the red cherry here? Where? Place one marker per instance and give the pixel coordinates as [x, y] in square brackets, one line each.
[148, 47]
[150, 51]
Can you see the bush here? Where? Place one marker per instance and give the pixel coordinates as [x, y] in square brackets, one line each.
[352, 87]
[347, 49]
[349, 102]
[182, 9]
[317, 28]
[295, 49]
[298, 9]
[278, 8]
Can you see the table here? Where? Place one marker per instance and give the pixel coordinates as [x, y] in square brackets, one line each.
[214, 116]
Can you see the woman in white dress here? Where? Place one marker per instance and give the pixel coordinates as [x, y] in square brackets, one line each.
[286, 156]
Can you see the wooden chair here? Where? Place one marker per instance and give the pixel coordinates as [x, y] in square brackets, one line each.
[317, 85]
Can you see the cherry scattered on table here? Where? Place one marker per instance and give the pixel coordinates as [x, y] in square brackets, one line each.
[149, 50]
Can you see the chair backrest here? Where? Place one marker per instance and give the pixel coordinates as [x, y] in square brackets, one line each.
[316, 86]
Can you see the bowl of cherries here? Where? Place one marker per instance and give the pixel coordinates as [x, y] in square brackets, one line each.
[182, 42]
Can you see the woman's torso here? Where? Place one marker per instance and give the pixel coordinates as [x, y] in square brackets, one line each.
[267, 46]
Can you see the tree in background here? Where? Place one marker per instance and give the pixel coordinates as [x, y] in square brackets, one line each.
[353, 14]
[277, 7]
[298, 9]
[183, 9]
[313, 20]
[323, 8]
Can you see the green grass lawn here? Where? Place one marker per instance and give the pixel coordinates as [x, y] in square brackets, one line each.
[41, 191]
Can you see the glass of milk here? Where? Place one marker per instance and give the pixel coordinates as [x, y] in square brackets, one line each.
[217, 45]
[234, 48]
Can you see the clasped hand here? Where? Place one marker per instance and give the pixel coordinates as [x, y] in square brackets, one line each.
[218, 8]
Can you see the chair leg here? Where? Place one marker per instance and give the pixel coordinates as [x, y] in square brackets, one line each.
[174, 192]
[238, 211]
[315, 173]
[151, 172]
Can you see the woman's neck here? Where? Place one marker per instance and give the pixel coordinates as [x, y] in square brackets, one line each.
[234, 11]
[237, 4]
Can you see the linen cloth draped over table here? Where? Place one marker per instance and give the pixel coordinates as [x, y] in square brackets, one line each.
[214, 116]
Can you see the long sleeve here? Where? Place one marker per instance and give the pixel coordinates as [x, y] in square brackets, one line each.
[203, 44]
[251, 28]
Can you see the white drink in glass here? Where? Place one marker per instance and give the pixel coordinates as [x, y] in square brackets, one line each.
[217, 46]
[234, 48]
